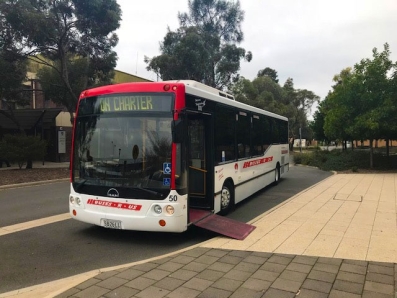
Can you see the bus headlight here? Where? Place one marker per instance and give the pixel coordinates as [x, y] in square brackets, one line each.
[75, 200]
[170, 209]
[157, 209]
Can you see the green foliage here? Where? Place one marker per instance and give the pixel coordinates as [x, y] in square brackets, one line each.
[317, 125]
[12, 74]
[204, 47]
[56, 33]
[338, 160]
[12, 92]
[269, 72]
[13, 68]
[262, 93]
[362, 104]
[21, 148]
[303, 158]
[82, 75]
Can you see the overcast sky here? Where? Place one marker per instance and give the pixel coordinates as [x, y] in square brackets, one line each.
[307, 40]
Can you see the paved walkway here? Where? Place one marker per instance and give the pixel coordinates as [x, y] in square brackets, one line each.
[335, 239]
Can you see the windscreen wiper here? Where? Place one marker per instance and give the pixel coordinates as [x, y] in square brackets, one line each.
[79, 185]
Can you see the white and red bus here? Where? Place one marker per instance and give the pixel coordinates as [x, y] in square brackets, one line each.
[145, 154]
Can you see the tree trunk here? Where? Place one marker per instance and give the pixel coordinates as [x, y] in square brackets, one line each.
[29, 164]
[387, 148]
[71, 118]
[371, 153]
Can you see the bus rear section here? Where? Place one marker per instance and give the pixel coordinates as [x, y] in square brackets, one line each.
[125, 173]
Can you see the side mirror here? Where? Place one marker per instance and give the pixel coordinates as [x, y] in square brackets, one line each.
[178, 131]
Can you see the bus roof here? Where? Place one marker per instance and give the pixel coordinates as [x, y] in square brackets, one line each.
[192, 87]
[204, 91]
[201, 86]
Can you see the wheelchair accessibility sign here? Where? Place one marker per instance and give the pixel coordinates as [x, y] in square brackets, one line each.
[167, 168]
[167, 181]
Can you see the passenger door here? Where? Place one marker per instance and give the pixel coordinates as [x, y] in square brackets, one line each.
[200, 180]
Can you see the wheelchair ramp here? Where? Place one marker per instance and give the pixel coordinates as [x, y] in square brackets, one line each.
[219, 224]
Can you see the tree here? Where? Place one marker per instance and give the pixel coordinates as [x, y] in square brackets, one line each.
[12, 92]
[299, 102]
[339, 107]
[204, 47]
[317, 125]
[54, 33]
[362, 104]
[82, 74]
[262, 93]
[269, 72]
[375, 90]
[13, 68]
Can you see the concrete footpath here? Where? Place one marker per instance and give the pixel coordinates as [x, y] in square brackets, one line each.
[335, 239]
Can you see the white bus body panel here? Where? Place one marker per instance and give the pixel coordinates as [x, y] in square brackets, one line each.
[252, 174]
[93, 210]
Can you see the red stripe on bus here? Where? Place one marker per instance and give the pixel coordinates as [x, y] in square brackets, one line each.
[114, 204]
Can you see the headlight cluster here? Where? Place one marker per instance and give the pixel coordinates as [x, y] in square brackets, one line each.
[169, 210]
[75, 200]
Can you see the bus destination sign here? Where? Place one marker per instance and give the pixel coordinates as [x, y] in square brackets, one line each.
[129, 102]
[126, 103]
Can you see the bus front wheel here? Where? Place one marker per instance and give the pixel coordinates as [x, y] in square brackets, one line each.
[227, 198]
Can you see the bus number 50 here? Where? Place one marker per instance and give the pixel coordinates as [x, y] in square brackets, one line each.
[173, 198]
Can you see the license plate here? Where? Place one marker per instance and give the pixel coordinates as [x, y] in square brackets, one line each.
[112, 224]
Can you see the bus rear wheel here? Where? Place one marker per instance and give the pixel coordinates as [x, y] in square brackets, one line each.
[227, 198]
[276, 175]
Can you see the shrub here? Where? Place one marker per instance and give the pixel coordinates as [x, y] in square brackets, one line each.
[298, 158]
[21, 148]
[337, 160]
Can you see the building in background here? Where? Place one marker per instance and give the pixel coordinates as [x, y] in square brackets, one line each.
[43, 117]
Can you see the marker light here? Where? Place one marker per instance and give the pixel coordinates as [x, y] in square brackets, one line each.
[166, 87]
[74, 212]
[157, 209]
[162, 222]
[170, 209]
[173, 88]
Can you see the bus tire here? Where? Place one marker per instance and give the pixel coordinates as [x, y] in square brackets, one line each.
[276, 174]
[227, 198]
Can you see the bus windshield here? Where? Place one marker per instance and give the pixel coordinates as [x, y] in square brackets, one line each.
[127, 150]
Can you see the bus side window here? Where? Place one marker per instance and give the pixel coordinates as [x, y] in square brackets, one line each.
[243, 135]
[224, 134]
[257, 136]
[267, 132]
[275, 131]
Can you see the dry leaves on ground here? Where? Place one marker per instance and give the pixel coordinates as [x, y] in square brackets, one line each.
[15, 176]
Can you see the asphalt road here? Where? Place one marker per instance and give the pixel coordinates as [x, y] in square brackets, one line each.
[66, 248]
[33, 202]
